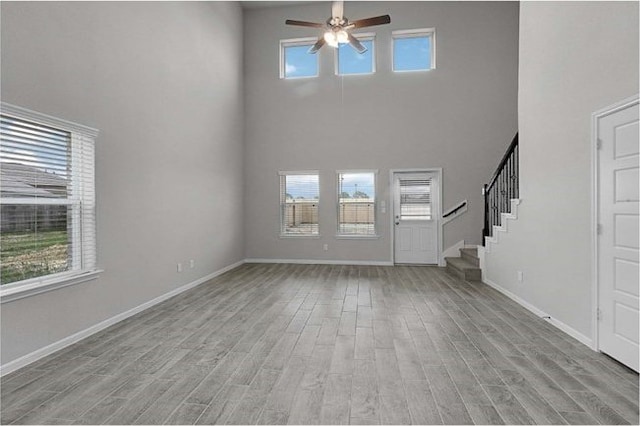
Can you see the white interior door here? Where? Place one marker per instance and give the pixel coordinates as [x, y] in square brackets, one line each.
[415, 209]
[618, 280]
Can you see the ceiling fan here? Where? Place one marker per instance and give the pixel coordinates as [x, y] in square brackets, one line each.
[338, 27]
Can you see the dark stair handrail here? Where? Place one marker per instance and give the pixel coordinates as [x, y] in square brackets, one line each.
[502, 187]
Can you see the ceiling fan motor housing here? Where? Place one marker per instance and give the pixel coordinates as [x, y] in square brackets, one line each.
[338, 27]
[337, 22]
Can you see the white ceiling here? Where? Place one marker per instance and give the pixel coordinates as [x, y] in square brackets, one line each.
[256, 4]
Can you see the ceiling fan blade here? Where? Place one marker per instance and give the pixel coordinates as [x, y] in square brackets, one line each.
[356, 44]
[321, 42]
[337, 9]
[370, 22]
[304, 23]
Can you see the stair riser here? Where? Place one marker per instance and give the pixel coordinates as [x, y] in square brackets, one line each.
[455, 272]
[467, 274]
[475, 275]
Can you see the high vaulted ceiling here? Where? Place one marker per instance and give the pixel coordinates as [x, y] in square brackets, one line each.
[249, 4]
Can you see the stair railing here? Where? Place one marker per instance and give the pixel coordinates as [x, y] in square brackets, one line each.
[502, 187]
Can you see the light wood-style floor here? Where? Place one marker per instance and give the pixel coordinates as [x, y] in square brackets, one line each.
[322, 344]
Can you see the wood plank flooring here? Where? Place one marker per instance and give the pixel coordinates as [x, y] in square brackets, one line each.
[323, 344]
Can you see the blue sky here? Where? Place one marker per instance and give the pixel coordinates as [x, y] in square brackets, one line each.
[409, 54]
[361, 182]
[34, 145]
[305, 186]
[300, 63]
[352, 62]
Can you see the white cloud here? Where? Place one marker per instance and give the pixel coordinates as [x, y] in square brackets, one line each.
[289, 69]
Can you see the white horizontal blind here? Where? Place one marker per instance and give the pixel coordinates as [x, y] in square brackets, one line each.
[47, 200]
[299, 202]
[356, 203]
[415, 199]
[83, 154]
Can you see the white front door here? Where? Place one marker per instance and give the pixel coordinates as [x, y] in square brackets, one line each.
[415, 209]
[618, 281]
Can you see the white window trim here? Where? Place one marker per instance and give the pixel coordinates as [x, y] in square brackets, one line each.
[304, 41]
[415, 33]
[283, 235]
[49, 120]
[35, 286]
[373, 236]
[299, 172]
[25, 288]
[361, 37]
[300, 236]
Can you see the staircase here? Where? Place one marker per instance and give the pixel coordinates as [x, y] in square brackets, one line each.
[466, 266]
[501, 190]
[500, 203]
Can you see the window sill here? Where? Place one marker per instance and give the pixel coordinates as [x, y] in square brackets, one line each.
[355, 74]
[302, 77]
[416, 71]
[356, 237]
[294, 236]
[42, 286]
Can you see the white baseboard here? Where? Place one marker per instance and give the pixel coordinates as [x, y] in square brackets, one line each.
[482, 253]
[322, 262]
[69, 340]
[556, 323]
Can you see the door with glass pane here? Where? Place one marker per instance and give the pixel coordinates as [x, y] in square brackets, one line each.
[415, 210]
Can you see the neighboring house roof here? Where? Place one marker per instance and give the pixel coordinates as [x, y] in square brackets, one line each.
[19, 180]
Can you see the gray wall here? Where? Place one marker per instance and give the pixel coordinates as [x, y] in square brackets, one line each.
[575, 58]
[163, 84]
[460, 117]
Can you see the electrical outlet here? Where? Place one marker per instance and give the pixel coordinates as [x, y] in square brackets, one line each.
[520, 277]
[192, 263]
[325, 247]
[179, 267]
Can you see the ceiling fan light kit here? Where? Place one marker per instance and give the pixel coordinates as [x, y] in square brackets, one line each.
[335, 38]
[337, 28]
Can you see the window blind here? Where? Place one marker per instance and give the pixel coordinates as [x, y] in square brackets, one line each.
[356, 204]
[299, 201]
[47, 200]
[415, 199]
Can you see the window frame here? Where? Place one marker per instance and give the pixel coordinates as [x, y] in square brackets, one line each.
[368, 36]
[345, 236]
[281, 175]
[83, 268]
[414, 33]
[293, 42]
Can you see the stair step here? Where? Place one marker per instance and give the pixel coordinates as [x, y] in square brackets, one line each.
[470, 255]
[463, 269]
